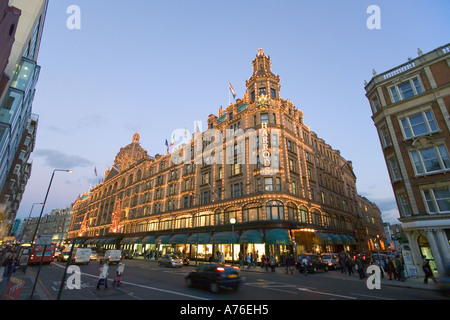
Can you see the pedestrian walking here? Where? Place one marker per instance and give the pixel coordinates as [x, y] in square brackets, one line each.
[119, 273]
[289, 264]
[255, 260]
[249, 260]
[305, 263]
[400, 268]
[428, 272]
[241, 260]
[349, 265]
[359, 266]
[342, 262]
[10, 264]
[103, 277]
[272, 263]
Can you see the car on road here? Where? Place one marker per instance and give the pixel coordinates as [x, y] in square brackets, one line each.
[171, 260]
[64, 256]
[127, 254]
[111, 256]
[81, 256]
[214, 276]
[94, 255]
[332, 259]
[315, 263]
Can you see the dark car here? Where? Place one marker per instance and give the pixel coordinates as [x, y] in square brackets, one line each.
[127, 255]
[214, 276]
[315, 263]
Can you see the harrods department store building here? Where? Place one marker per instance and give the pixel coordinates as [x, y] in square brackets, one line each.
[257, 163]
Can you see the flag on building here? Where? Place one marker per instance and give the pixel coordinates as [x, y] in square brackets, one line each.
[167, 145]
[173, 141]
[232, 90]
[95, 170]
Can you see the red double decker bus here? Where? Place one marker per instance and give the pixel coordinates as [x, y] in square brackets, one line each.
[36, 254]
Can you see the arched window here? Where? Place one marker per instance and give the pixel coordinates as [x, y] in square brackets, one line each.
[304, 216]
[342, 222]
[327, 220]
[130, 179]
[349, 224]
[251, 212]
[203, 219]
[231, 212]
[218, 217]
[316, 217]
[275, 210]
[138, 175]
[292, 212]
[183, 222]
[335, 221]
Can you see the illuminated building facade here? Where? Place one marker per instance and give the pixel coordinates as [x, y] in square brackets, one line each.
[257, 162]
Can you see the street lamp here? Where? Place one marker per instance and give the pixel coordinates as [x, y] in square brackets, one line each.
[232, 221]
[45, 200]
[37, 226]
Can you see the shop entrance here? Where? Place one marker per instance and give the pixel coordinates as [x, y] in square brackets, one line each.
[425, 250]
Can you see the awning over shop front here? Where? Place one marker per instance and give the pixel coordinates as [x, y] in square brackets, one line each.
[90, 241]
[163, 240]
[336, 239]
[110, 240]
[199, 238]
[178, 239]
[251, 236]
[350, 239]
[225, 238]
[148, 240]
[278, 237]
[126, 240]
[322, 238]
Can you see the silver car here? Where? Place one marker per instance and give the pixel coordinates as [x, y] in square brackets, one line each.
[171, 260]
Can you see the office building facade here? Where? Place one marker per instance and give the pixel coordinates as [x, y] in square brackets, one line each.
[410, 105]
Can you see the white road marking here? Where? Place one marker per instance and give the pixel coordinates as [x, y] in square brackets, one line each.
[143, 286]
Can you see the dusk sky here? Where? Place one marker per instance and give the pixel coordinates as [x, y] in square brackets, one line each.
[156, 66]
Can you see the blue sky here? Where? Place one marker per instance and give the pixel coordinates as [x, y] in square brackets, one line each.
[155, 66]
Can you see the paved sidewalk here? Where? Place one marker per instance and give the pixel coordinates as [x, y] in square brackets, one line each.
[28, 279]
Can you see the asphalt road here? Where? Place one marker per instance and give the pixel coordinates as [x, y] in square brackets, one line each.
[145, 280]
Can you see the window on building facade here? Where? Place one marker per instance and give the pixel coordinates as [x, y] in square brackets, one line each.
[404, 205]
[437, 200]
[274, 210]
[385, 137]
[251, 212]
[406, 90]
[375, 103]
[268, 184]
[218, 217]
[430, 160]
[262, 91]
[304, 216]
[394, 169]
[292, 212]
[418, 124]
[273, 93]
[264, 118]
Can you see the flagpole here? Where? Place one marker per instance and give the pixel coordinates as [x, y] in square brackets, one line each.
[229, 98]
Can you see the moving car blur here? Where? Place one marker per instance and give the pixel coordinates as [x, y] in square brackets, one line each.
[171, 260]
[214, 276]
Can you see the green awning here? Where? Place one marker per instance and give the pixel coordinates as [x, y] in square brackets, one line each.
[136, 240]
[322, 238]
[126, 240]
[350, 239]
[251, 236]
[148, 240]
[225, 238]
[178, 239]
[163, 240]
[200, 238]
[336, 238]
[110, 241]
[278, 237]
[344, 239]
